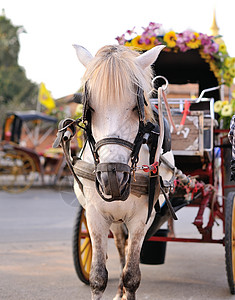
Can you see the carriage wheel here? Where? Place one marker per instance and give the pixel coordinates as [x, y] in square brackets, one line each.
[82, 248]
[230, 240]
[17, 171]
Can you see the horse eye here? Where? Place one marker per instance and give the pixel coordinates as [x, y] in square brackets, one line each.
[135, 108]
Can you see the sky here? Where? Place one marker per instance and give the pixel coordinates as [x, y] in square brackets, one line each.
[52, 27]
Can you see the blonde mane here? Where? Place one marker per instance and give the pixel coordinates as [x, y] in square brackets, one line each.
[113, 75]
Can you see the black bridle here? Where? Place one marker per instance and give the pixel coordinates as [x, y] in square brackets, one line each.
[112, 168]
[67, 129]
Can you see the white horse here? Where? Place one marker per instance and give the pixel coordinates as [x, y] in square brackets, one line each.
[111, 81]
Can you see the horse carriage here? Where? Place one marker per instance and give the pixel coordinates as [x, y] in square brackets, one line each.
[25, 135]
[197, 144]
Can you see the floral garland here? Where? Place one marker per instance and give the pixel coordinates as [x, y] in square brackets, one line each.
[212, 51]
[225, 111]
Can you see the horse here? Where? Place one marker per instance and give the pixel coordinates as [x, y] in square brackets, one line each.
[117, 84]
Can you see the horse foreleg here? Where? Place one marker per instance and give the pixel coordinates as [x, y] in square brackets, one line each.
[131, 271]
[98, 229]
[120, 238]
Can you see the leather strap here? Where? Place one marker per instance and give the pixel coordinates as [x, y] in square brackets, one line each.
[67, 130]
[118, 141]
[111, 169]
[153, 178]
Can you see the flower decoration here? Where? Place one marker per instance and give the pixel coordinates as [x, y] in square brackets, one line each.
[170, 38]
[194, 41]
[213, 52]
[225, 110]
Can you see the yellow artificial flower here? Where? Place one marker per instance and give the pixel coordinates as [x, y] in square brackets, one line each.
[218, 106]
[229, 81]
[232, 71]
[170, 39]
[225, 102]
[228, 62]
[226, 75]
[136, 44]
[222, 48]
[128, 44]
[194, 43]
[227, 110]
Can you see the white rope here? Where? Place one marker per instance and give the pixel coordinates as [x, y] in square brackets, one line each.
[161, 124]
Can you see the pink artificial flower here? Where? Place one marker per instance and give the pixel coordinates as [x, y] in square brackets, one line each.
[205, 39]
[156, 42]
[147, 41]
[188, 36]
[130, 32]
[154, 26]
[211, 48]
[215, 47]
[121, 39]
[182, 38]
[150, 31]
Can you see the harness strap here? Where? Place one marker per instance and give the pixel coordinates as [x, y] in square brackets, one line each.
[116, 141]
[66, 131]
[143, 128]
[153, 178]
[66, 147]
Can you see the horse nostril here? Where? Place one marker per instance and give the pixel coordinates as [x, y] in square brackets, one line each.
[103, 179]
[98, 176]
[124, 179]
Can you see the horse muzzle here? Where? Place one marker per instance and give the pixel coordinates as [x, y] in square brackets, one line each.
[113, 179]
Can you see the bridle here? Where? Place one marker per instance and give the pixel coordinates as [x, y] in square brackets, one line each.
[67, 129]
[112, 168]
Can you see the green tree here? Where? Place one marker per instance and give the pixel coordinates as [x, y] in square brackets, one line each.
[16, 91]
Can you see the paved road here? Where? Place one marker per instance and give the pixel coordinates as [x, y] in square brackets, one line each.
[36, 256]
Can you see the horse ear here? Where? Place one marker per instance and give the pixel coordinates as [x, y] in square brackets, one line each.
[83, 55]
[148, 58]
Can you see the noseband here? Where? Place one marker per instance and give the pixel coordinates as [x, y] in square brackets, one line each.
[110, 169]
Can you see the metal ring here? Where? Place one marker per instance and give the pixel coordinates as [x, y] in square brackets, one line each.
[164, 86]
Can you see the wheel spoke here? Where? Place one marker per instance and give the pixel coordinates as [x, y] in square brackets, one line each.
[85, 257]
[89, 260]
[85, 244]
[82, 253]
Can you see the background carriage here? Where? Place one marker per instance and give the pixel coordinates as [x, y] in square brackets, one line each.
[25, 151]
[197, 148]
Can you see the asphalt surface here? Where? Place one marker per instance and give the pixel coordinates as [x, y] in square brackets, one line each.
[36, 255]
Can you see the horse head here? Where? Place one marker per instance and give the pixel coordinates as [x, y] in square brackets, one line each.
[117, 83]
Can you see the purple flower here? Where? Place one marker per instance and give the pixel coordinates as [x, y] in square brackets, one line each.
[211, 48]
[121, 39]
[205, 39]
[154, 26]
[182, 38]
[130, 32]
[150, 31]
[188, 35]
